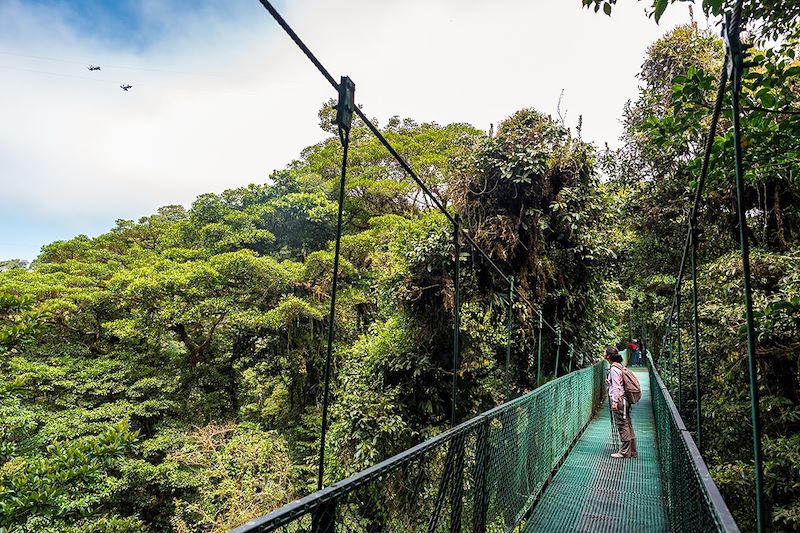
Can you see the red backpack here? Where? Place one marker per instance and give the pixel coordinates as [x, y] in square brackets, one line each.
[630, 384]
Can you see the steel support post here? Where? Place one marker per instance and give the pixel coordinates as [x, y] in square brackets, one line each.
[558, 349]
[509, 327]
[669, 358]
[678, 357]
[456, 309]
[457, 489]
[480, 500]
[323, 518]
[539, 352]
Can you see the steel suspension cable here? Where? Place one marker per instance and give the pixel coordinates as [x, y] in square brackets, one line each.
[400, 160]
[732, 67]
[691, 243]
[679, 335]
[709, 145]
[558, 350]
[736, 66]
[344, 137]
[456, 311]
[299, 42]
[670, 373]
[440, 206]
[696, 339]
[509, 326]
[539, 352]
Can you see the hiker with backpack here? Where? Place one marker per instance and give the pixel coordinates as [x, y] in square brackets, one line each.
[621, 399]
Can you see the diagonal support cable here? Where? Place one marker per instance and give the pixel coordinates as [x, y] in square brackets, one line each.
[712, 133]
[400, 160]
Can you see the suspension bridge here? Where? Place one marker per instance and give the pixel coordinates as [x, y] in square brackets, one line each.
[542, 461]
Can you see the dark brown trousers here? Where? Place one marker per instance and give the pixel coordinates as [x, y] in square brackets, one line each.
[622, 419]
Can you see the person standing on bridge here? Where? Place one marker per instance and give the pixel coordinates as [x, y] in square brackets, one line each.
[636, 358]
[621, 410]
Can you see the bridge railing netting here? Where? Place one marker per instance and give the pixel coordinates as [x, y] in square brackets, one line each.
[483, 475]
[693, 500]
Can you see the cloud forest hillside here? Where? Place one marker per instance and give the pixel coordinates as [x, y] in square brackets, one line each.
[166, 374]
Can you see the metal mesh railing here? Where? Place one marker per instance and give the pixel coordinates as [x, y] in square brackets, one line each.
[483, 475]
[693, 500]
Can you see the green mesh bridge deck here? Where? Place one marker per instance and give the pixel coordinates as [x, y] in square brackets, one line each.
[593, 492]
[540, 462]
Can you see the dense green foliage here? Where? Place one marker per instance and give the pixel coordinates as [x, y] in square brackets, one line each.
[166, 375]
[656, 170]
[768, 19]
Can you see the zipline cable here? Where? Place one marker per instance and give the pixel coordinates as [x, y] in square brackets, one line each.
[108, 67]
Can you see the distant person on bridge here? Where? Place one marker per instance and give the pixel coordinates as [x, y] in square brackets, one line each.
[620, 409]
[636, 354]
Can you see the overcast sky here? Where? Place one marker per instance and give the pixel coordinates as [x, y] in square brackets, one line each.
[221, 96]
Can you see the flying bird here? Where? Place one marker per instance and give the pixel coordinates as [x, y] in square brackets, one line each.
[125, 87]
[93, 67]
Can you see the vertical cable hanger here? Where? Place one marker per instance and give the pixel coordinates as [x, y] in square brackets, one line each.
[344, 119]
[735, 65]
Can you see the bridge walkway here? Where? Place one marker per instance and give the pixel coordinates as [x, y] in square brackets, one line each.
[592, 492]
[493, 473]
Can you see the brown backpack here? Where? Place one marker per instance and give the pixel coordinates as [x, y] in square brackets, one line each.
[630, 384]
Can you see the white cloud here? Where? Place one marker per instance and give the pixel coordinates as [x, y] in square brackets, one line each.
[221, 96]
